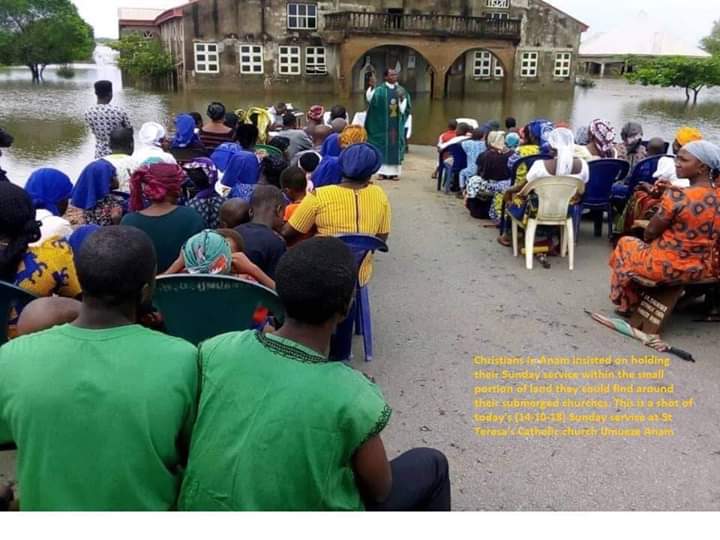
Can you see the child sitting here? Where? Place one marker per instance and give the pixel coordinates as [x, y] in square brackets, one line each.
[293, 182]
[233, 213]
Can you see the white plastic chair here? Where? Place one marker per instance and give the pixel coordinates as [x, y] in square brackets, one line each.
[554, 195]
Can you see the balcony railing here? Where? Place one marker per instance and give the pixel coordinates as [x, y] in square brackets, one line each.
[359, 22]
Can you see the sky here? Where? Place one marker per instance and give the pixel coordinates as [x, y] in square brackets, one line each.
[689, 19]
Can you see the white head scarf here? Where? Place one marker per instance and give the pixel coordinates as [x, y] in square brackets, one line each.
[496, 139]
[151, 133]
[706, 152]
[563, 141]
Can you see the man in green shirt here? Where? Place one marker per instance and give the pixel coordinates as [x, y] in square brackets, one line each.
[101, 409]
[280, 427]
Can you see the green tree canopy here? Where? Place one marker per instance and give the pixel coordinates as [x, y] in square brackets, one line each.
[143, 57]
[36, 33]
[691, 74]
[711, 43]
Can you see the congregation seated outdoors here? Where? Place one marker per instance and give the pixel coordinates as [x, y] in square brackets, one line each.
[238, 253]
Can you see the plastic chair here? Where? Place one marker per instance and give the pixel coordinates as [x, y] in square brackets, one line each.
[361, 245]
[469, 121]
[642, 172]
[603, 174]
[198, 307]
[268, 149]
[554, 194]
[449, 173]
[528, 161]
[11, 297]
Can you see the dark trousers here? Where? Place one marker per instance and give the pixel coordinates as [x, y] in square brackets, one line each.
[421, 482]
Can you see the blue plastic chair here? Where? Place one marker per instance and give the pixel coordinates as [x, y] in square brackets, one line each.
[603, 174]
[527, 160]
[199, 307]
[449, 173]
[11, 297]
[360, 317]
[642, 172]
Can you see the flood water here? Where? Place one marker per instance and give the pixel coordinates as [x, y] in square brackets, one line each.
[47, 120]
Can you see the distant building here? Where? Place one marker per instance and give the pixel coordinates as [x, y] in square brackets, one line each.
[442, 47]
[607, 53]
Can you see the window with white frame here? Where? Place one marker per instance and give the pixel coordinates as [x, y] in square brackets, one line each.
[289, 60]
[562, 65]
[529, 64]
[497, 4]
[207, 58]
[482, 67]
[315, 61]
[486, 66]
[251, 59]
[302, 16]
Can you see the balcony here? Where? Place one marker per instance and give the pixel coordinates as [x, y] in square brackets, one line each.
[359, 22]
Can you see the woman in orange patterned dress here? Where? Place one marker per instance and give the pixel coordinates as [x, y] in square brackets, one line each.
[679, 240]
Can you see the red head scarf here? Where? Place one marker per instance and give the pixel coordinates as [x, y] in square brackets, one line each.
[154, 183]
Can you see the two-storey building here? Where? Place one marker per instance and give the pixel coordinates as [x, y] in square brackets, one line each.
[438, 46]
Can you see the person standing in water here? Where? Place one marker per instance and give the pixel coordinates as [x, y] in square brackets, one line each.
[103, 118]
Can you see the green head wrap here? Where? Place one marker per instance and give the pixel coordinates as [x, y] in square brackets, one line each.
[207, 253]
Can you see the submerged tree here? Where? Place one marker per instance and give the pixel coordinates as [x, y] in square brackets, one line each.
[143, 57]
[691, 74]
[37, 33]
[711, 43]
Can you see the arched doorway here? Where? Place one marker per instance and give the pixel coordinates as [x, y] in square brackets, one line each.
[414, 71]
[475, 72]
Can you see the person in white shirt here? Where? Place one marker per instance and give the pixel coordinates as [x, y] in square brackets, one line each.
[122, 147]
[151, 150]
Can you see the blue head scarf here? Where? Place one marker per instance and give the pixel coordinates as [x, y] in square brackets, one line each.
[360, 161]
[78, 237]
[184, 131]
[93, 184]
[47, 188]
[540, 130]
[223, 154]
[328, 173]
[331, 147]
[243, 168]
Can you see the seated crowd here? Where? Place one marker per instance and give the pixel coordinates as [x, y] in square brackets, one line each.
[109, 414]
[667, 223]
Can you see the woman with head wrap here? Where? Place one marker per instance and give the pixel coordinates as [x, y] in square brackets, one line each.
[534, 137]
[268, 173]
[474, 147]
[355, 206]
[207, 253]
[216, 132]
[644, 202]
[151, 147]
[563, 163]
[42, 270]
[631, 149]
[329, 172]
[315, 117]
[50, 191]
[186, 144]
[679, 240]
[492, 180]
[167, 224]
[203, 176]
[602, 140]
[93, 194]
[246, 137]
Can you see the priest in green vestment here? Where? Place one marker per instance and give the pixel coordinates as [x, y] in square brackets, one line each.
[388, 110]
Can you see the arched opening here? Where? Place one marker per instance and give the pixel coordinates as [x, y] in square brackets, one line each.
[414, 71]
[476, 72]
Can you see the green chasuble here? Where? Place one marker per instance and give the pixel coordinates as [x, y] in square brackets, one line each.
[385, 124]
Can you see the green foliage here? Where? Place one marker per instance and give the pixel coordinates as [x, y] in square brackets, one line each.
[143, 57]
[66, 72]
[36, 33]
[711, 43]
[691, 74]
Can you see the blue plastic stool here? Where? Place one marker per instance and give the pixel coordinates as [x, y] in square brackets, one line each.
[360, 319]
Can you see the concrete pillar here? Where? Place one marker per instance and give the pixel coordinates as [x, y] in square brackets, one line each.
[602, 69]
[438, 89]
